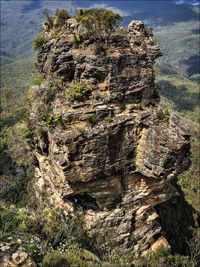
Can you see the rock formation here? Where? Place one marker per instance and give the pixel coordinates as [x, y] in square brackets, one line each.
[107, 149]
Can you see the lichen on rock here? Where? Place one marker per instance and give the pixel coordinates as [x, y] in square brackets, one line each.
[118, 169]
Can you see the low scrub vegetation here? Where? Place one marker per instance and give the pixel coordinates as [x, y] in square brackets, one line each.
[100, 23]
[60, 17]
[55, 240]
[38, 42]
[38, 78]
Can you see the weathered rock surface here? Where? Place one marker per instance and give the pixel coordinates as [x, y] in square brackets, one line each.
[14, 256]
[120, 167]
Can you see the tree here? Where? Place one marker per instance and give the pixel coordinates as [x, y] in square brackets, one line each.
[54, 21]
[48, 23]
[101, 22]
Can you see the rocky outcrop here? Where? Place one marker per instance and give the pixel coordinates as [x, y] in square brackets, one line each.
[109, 152]
[15, 256]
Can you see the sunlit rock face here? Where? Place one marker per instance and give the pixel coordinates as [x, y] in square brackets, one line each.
[111, 153]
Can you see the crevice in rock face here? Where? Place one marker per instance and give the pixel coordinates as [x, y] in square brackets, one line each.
[36, 162]
[115, 138]
[68, 74]
[157, 236]
[133, 222]
[45, 148]
[124, 183]
[43, 142]
[84, 201]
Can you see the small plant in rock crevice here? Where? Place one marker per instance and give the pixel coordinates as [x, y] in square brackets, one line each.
[75, 38]
[108, 119]
[163, 114]
[79, 92]
[51, 120]
[38, 42]
[92, 119]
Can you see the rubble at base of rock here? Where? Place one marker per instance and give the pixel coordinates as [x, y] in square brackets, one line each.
[14, 256]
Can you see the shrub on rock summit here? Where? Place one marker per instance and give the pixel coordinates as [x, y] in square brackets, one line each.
[99, 21]
[60, 17]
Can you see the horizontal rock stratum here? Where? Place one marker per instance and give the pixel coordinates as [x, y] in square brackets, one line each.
[107, 149]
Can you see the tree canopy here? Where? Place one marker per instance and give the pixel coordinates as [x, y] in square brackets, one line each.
[99, 21]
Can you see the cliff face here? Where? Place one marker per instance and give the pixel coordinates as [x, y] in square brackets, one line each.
[108, 151]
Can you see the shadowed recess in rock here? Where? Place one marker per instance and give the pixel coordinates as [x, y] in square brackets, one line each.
[83, 200]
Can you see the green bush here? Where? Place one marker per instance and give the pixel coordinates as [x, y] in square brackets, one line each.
[49, 119]
[60, 17]
[72, 257]
[38, 42]
[81, 257]
[76, 38]
[52, 120]
[92, 119]
[26, 132]
[55, 259]
[162, 258]
[108, 119]
[5, 134]
[115, 259]
[99, 21]
[10, 219]
[163, 114]
[23, 130]
[48, 23]
[79, 92]
[58, 20]
[51, 225]
[57, 227]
